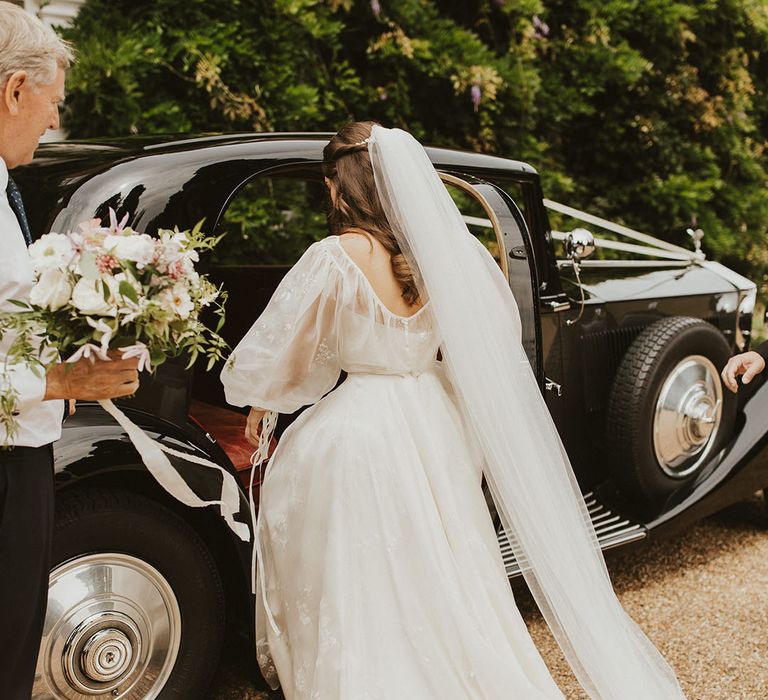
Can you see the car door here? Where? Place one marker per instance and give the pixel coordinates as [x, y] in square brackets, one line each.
[502, 217]
[274, 216]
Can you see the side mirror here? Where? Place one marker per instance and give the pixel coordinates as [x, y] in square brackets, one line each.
[579, 244]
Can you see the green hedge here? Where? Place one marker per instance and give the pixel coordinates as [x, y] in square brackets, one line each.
[650, 112]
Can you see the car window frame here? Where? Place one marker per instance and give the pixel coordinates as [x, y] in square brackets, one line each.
[516, 253]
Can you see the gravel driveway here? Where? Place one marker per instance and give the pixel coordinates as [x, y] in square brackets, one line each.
[701, 596]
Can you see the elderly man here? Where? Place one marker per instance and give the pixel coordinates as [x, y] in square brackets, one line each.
[749, 364]
[32, 65]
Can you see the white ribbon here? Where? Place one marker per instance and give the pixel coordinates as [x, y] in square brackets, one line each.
[259, 459]
[152, 454]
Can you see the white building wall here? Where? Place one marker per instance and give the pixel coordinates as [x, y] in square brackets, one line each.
[56, 13]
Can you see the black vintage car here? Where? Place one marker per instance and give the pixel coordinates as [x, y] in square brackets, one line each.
[627, 352]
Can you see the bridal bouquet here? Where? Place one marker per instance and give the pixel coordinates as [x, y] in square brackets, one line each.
[109, 287]
[104, 288]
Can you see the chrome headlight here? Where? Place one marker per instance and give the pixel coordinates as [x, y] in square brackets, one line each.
[746, 308]
[747, 303]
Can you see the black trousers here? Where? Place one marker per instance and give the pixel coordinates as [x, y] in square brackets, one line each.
[26, 526]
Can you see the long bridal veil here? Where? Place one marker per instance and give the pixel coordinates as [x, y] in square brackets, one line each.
[528, 472]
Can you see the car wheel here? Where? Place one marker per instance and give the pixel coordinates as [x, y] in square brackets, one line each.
[136, 604]
[668, 411]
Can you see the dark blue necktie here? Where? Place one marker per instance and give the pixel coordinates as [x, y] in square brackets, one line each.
[17, 205]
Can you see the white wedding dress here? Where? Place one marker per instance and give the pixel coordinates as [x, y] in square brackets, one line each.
[383, 576]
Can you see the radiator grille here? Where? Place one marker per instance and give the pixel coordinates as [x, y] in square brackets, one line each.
[601, 355]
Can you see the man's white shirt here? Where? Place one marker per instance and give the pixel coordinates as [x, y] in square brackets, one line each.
[39, 421]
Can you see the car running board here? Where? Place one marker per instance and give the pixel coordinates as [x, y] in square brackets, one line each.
[611, 529]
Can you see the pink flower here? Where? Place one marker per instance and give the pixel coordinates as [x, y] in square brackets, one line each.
[114, 226]
[92, 234]
[91, 225]
[106, 263]
[176, 269]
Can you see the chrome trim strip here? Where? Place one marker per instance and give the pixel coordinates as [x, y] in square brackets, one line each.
[627, 263]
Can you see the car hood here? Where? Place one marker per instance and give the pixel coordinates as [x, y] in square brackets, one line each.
[609, 284]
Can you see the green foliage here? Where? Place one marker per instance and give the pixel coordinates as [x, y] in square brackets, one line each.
[650, 112]
[272, 221]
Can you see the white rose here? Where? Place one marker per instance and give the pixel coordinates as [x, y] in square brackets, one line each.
[173, 246]
[176, 301]
[52, 290]
[88, 297]
[189, 266]
[137, 247]
[51, 251]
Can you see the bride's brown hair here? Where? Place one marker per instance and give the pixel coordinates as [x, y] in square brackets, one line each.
[347, 165]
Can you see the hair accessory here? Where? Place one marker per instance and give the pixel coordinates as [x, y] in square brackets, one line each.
[349, 146]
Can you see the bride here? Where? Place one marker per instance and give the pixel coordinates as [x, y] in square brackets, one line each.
[379, 571]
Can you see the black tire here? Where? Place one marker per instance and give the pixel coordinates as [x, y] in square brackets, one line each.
[97, 521]
[634, 395]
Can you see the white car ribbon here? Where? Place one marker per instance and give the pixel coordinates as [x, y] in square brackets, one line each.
[152, 452]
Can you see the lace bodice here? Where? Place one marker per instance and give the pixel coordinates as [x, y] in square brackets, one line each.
[324, 317]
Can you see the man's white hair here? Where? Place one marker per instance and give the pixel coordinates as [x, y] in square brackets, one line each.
[27, 44]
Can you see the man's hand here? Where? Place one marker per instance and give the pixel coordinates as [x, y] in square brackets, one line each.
[253, 425]
[92, 380]
[747, 363]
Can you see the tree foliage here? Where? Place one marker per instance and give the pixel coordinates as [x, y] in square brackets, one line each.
[650, 112]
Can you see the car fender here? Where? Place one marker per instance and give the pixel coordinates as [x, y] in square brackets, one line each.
[94, 450]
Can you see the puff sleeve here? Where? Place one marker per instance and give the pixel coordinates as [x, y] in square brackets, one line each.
[289, 358]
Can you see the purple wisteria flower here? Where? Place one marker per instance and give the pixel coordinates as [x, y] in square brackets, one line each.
[476, 94]
[540, 28]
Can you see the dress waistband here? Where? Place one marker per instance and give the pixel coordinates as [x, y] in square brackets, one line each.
[404, 373]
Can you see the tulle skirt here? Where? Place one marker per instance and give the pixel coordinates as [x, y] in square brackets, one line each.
[382, 571]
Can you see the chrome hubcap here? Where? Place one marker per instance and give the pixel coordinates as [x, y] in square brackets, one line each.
[687, 416]
[112, 629]
[107, 655]
[99, 651]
